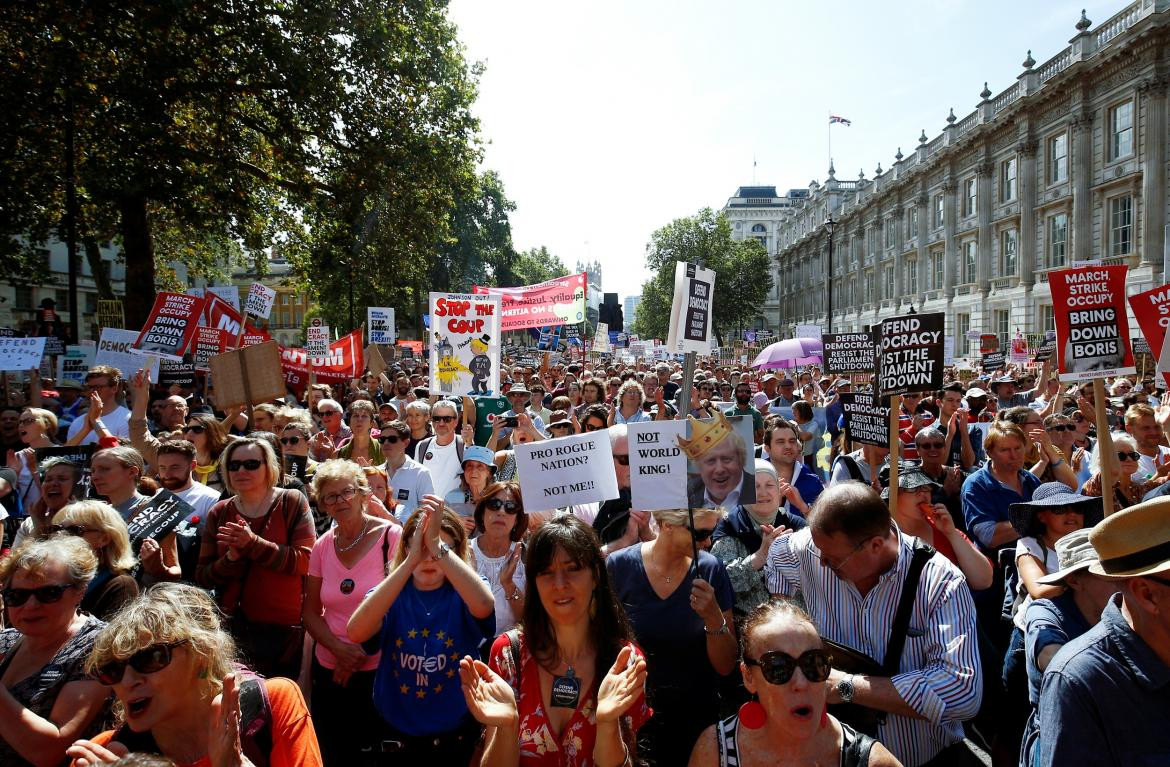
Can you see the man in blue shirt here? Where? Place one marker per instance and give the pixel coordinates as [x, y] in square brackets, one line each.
[1105, 698]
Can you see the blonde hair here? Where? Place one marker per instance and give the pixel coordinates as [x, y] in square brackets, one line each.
[682, 517]
[32, 556]
[116, 556]
[340, 470]
[46, 418]
[268, 456]
[125, 455]
[168, 613]
[298, 419]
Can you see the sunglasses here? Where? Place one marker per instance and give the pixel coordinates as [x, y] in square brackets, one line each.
[1061, 427]
[290, 440]
[560, 426]
[146, 661]
[389, 439]
[778, 667]
[495, 504]
[74, 530]
[324, 413]
[1123, 454]
[593, 427]
[443, 418]
[250, 464]
[622, 459]
[194, 429]
[46, 595]
[931, 446]
[700, 535]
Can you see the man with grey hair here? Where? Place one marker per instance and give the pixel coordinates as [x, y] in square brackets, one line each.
[442, 454]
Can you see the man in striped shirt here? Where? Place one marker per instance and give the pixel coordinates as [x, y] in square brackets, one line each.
[848, 566]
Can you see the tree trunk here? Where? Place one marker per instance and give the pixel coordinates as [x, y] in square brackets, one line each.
[138, 247]
[101, 280]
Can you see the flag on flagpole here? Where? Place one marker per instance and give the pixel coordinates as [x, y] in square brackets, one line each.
[839, 119]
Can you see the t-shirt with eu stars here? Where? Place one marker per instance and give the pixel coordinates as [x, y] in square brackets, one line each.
[424, 635]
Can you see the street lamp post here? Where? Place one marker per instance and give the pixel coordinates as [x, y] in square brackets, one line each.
[831, 226]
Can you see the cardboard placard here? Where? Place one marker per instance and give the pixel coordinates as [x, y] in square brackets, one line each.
[691, 309]
[988, 342]
[866, 420]
[567, 471]
[21, 353]
[465, 343]
[911, 354]
[208, 343]
[158, 517]
[265, 377]
[115, 348]
[849, 353]
[380, 324]
[260, 300]
[601, 337]
[171, 325]
[1092, 325]
[658, 466]
[374, 362]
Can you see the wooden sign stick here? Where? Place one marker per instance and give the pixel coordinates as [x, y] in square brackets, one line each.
[1104, 446]
[895, 444]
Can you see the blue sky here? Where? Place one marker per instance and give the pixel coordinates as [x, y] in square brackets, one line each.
[606, 120]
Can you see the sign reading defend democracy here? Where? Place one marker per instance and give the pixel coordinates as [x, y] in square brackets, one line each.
[866, 421]
[658, 466]
[114, 349]
[158, 517]
[171, 325]
[567, 471]
[911, 354]
[849, 352]
[21, 353]
[691, 309]
[1092, 327]
[260, 300]
[558, 301]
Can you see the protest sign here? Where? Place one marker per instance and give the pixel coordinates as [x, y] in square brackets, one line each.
[465, 343]
[849, 352]
[54, 346]
[170, 326]
[75, 363]
[1020, 353]
[157, 517]
[342, 363]
[260, 300]
[1092, 327]
[176, 373]
[554, 302]
[380, 324]
[375, 363]
[658, 466]
[260, 381]
[1151, 309]
[229, 294]
[911, 354]
[988, 342]
[866, 420]
[721, 469]
[410, 348]
[208, 343]
[993, 361]
[567, 471]
[1143, 358]
[691, 309]
[219, 314]
[115, 348]
[110, 314]
[808, 331]
[78, 455]
[948, 351]
[297, 466]
[21, 353]
[1046, 348]
[601, 337]
[317, 340]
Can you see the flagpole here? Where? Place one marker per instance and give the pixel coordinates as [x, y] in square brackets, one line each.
[830, 138]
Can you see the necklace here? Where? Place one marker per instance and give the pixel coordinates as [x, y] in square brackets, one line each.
[354, 542]
[662, 572]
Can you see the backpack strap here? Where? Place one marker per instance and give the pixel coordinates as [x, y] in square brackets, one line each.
[420, 451]
[514, 644]
[892, 662]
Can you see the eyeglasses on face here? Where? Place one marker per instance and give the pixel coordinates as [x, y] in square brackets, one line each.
[345, 495]
[778, 667]
[194, 428]
[250, 464]
[1059, 427]
[700, 534]
[75, 530]
[592, 426]
[443, 418]
[290, 441]
[495, 504]
[327, 413]
[146, 661]
[931, 446]
[46, 595]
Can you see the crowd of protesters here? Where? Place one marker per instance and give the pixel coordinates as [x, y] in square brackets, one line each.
[359, 581]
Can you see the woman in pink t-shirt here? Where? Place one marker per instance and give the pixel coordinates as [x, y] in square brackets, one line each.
[347, 561]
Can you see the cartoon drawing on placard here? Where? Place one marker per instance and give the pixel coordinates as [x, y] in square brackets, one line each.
[480, 365]
[449, 365]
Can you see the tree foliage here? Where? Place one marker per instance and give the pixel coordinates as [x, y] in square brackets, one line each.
[743, 274]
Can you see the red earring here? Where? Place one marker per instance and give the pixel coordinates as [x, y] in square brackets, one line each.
[752, 715]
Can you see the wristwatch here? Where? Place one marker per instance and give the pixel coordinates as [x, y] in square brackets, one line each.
[845, 689]
[444, 549]
[724, 629]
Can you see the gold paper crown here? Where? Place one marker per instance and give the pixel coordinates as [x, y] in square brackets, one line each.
[704, 435]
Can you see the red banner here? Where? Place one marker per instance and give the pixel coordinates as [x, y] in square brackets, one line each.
[220, 314]
[1092, 326]
[1152, 311]
[170, 326]
[344, 362]
[559, 301]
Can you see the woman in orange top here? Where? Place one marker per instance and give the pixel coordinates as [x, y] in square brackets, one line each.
[181, 695]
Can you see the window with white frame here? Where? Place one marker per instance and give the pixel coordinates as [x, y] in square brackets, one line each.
[911, 280]
[889, 279]
[1121, 130]
[1002, 319]
[962, 325]
[970, 197]
[970, 251]
[1121, 226]
[938, 211]
[1058, 158]
[1057, 239]
[1007, 180]
[1047, 318]
[1008, 242]
[912, 223]
[891, 223]
[936, 270]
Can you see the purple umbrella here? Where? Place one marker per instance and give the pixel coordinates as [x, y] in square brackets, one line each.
[790, 353]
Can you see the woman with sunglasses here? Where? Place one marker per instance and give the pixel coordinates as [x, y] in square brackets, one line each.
[116, 473]
[784, 667]
[361, 446]
[430, 611]
[573, 629]
[210, 438]
[255, 553]
[594, 418]
[100, 525]
[181, 693]
[294, 442]
[681, 614]
[1126, 491]
[47, 700]
[347, 562]
[36, 428]
[498, 550]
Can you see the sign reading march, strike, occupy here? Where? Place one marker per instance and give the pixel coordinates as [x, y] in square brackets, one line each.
[911, 354]
[1092, 328]
[171, 325]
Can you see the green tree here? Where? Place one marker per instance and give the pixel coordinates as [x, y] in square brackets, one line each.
[743, 274]
[479, 249]
[536, 265]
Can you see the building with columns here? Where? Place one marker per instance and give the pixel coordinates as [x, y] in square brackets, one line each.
[758, 212]
[1067, 164]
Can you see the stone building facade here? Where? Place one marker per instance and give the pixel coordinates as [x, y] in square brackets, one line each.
[1068, 164]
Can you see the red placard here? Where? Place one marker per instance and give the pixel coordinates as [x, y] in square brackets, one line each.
[170, 326]
[1152, 311]
[344, 362]
[208, 343]
[220, 314]
[1092, 326]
